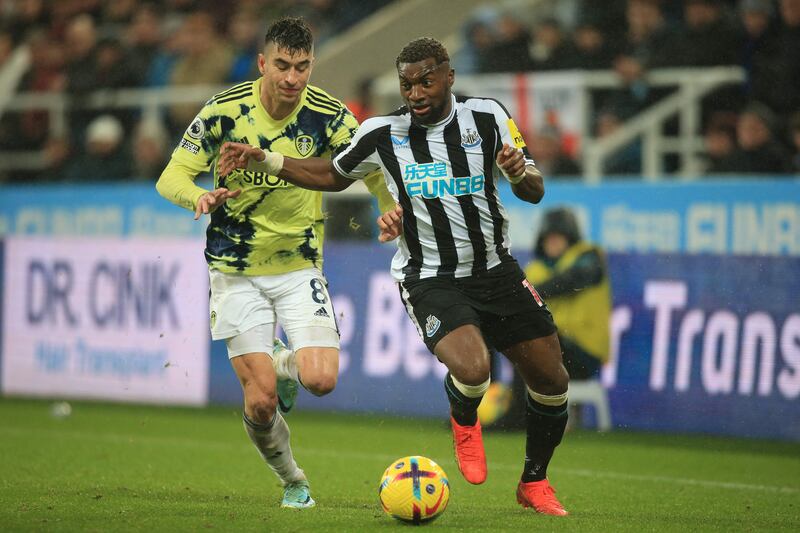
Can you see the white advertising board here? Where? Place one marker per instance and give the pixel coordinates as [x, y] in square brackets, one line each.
[116, 319]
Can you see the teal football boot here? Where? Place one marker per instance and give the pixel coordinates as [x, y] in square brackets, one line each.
[297, 495]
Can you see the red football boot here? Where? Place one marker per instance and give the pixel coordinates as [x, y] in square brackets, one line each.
[541, 496]
[468, 444]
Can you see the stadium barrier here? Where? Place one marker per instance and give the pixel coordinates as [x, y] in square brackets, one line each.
[703, 339]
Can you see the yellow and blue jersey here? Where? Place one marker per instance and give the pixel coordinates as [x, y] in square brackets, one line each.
[272, 227]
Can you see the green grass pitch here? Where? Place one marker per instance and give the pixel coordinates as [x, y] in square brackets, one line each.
[143, 468]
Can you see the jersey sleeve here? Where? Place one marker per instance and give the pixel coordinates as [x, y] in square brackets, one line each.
[194, 154]
[341, 130]
[176, 184]
[360, 158]
[200, 143]
[509, 133]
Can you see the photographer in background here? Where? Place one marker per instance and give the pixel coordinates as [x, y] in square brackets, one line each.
[571, 275]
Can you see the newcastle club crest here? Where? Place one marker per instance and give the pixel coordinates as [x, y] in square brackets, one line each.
[470, 139]
[304, 145]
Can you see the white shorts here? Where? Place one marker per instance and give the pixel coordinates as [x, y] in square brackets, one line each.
[299, 301]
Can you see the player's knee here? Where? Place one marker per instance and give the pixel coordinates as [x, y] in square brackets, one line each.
[261, 406]
[475, 376]
[554, 382]
[319, 384]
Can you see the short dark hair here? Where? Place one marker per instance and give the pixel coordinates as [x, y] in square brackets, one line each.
[290, 33]
[422, 49]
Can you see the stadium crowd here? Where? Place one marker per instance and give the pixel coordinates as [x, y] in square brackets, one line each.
[754, 128]
[78, 46]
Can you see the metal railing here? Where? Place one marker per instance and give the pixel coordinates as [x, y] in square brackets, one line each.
[690, 87]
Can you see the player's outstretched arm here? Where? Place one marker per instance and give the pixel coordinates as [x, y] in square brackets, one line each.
[526, 180]
[313, 173]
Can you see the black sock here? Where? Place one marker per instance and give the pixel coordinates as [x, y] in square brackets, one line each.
[463, 409]
[546, 424]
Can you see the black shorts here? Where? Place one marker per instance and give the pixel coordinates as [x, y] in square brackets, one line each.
[501, 303]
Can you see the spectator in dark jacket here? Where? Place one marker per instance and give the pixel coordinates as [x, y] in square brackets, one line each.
[708, 38]
[757, 152]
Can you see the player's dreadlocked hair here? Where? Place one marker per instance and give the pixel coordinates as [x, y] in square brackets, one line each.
[422, 49]
[290, 33]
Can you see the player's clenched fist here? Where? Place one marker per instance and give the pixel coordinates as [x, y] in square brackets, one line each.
[391, 224]
[211, 200]
[511, 162]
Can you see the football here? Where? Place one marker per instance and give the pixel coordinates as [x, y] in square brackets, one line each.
[414, 489]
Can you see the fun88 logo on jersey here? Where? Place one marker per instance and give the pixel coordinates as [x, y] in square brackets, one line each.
[433, 180]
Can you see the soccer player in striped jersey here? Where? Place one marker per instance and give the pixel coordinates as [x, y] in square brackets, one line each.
[264, 239]
[441, 156]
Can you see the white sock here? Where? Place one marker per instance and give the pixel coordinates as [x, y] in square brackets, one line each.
[285, 363]
[272, 442]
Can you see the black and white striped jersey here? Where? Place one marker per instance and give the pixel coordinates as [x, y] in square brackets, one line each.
[444, 177]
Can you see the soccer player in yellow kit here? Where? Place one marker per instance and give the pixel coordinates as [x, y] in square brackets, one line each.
[264, 241]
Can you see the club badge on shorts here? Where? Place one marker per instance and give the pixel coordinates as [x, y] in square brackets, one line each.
[432, 325]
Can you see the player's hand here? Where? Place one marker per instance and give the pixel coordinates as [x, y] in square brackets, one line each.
[211, 200]
[391, 224]
[511, 161]
[236, 155]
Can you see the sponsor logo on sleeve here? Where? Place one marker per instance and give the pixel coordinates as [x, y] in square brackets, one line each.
[190, 146]
[519, 142]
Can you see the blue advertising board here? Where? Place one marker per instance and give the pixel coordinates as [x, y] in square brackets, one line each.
[735, 216]
[119, 210]
[704, 344]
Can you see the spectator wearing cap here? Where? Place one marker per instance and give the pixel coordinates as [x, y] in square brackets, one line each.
[757, 151]
[104, 157]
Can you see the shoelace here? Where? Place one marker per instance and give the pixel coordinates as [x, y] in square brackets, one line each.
[469, 450]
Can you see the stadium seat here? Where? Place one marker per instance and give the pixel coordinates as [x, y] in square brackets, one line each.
[592, 392]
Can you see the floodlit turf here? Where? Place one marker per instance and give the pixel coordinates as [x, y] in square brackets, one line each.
[136, 468]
